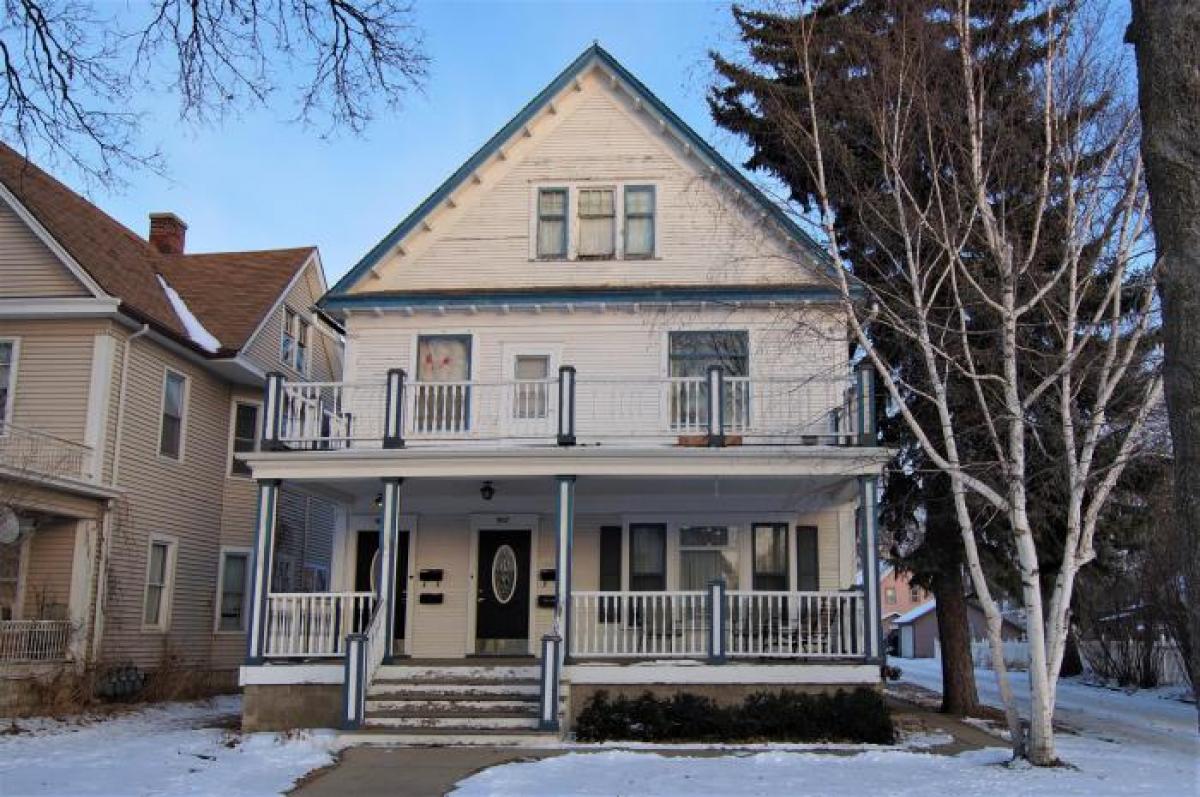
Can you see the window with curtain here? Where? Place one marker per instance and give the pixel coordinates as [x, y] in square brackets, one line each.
[707, 553]
[770, 556]
[597, 223]
[171, 433]
[647, 557]
[235, 568]
[245, 435]
[438, 406]
[158, 572]
[639, 221]
[8, 372]
[552, 223]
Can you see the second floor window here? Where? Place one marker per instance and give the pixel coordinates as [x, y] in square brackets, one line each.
[245, 435]
[597, 223]
[552, 223]
[639, 221]
[8, 373]
[170, 439]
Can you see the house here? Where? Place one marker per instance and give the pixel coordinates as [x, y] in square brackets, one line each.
[916, 631]
[899, 595]
[130, 371]
[598, 431]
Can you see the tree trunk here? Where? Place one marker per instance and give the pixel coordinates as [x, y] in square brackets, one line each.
[1166, 38]
[958, 671]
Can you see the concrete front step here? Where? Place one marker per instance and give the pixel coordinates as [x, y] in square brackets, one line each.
[490, 705]
[432, 737]
[467, 724]
[409, 672]
[389, 687]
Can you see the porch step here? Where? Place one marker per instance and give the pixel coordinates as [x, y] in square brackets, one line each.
[453, 704]
[434, 737]
[462, 722]
[456, 672]
[473, 688]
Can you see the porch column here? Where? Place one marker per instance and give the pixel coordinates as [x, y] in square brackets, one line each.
[385, 581]
[260, 567]
[562, 581]
[868, 537]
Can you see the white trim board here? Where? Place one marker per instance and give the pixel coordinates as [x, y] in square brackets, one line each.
[287, 674]
[688, 672]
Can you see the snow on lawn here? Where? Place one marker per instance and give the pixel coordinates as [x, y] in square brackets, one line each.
[167, 749]
[1104, 769]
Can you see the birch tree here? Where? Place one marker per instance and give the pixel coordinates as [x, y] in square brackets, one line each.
[1015, 241]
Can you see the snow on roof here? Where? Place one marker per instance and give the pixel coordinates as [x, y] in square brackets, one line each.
[195, 330]
[917, 613]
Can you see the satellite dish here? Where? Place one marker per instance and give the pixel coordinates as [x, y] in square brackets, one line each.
[10, 526]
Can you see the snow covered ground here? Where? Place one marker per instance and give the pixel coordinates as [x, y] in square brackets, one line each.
[168, 749]
[1139, 744]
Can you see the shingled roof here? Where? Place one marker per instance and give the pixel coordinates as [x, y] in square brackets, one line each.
[228, 292]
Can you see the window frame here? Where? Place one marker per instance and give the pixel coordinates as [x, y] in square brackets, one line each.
[225, 552]
[617, 212]
[166, 597]
[233, 438]
[184, 398]
[665, 528]
[732, 547]
[303, 346]
[6, 409]
[287, 340]
[774, 527]
[652, 215]
[565, 190]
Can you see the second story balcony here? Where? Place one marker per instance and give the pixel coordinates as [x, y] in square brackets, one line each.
[35, 453]
[572, 409]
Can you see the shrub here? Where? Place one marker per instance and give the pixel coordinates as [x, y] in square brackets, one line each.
[785, 716]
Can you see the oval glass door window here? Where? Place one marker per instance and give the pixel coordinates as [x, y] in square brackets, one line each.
[504, 574]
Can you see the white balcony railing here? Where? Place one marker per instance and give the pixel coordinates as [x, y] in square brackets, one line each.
[794, 624]
[44, 454]
[803, 410]
[34, 640]
[315, 624]
[800, 625]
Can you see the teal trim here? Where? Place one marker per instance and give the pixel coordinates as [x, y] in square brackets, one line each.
[595, 53]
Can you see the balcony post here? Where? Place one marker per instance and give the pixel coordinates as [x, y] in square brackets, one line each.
[716, 406]
[562, 562]
[260, 569]
[385, 581]
[272, 415]
[393, 422]
[551, 655]
[566, 405]
[716, 622]
[868, 525]
[864, 376]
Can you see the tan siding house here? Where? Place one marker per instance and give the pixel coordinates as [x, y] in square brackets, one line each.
[599, 429]
[127, 521]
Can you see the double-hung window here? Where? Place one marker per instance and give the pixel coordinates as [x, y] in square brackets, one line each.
[232, 590]
[597, 223]
[160, 566]
[647, 557]
[174, 400]
[8, 375]
[639, 221]
[245, 435]
[552, 223]
[707, 553]
[770, 556]
[296, 341]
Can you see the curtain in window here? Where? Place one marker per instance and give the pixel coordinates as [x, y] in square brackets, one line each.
[597, 216]
[552, 223]
[697, 569]
[443, 359]
[156, 579]
[639, 222]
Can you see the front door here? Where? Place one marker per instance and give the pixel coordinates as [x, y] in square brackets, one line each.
[502, 608]
[366, 566]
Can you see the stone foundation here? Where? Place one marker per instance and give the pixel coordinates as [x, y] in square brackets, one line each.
[281, 707]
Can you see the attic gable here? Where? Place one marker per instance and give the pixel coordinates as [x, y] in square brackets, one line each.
[595, 124]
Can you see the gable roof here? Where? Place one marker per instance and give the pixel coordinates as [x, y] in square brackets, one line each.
[595, 54]
[915, 613]
[228, 292]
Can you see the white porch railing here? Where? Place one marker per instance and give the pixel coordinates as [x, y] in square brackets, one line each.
[34, 640]
[473, 410]
[42, 453]
[794, 624]
[315, 624]
[639, 624]
[328, 415]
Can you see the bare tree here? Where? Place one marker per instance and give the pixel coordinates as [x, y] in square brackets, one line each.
[75, 77]
[1053, 342]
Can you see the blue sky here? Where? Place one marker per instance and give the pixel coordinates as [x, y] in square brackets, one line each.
[260, 182]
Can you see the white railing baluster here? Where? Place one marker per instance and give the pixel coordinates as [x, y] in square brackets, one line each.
[314, 624]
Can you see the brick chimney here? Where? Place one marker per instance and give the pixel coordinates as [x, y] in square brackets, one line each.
[167, 233]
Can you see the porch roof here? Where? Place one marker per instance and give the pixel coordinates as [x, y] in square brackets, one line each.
[570, 460]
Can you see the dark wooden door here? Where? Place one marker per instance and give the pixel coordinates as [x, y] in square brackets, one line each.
[503, 599]
[365, 563]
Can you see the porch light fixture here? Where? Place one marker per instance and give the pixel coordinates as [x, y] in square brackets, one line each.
[487, 491]
[379, 501]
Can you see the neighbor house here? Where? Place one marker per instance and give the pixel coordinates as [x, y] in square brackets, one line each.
[599, 430]
[916, 631]
[130, 373]
[899, 595]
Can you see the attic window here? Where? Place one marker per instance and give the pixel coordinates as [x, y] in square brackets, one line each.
[597, 223]
[552, 223]
[294, 345]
